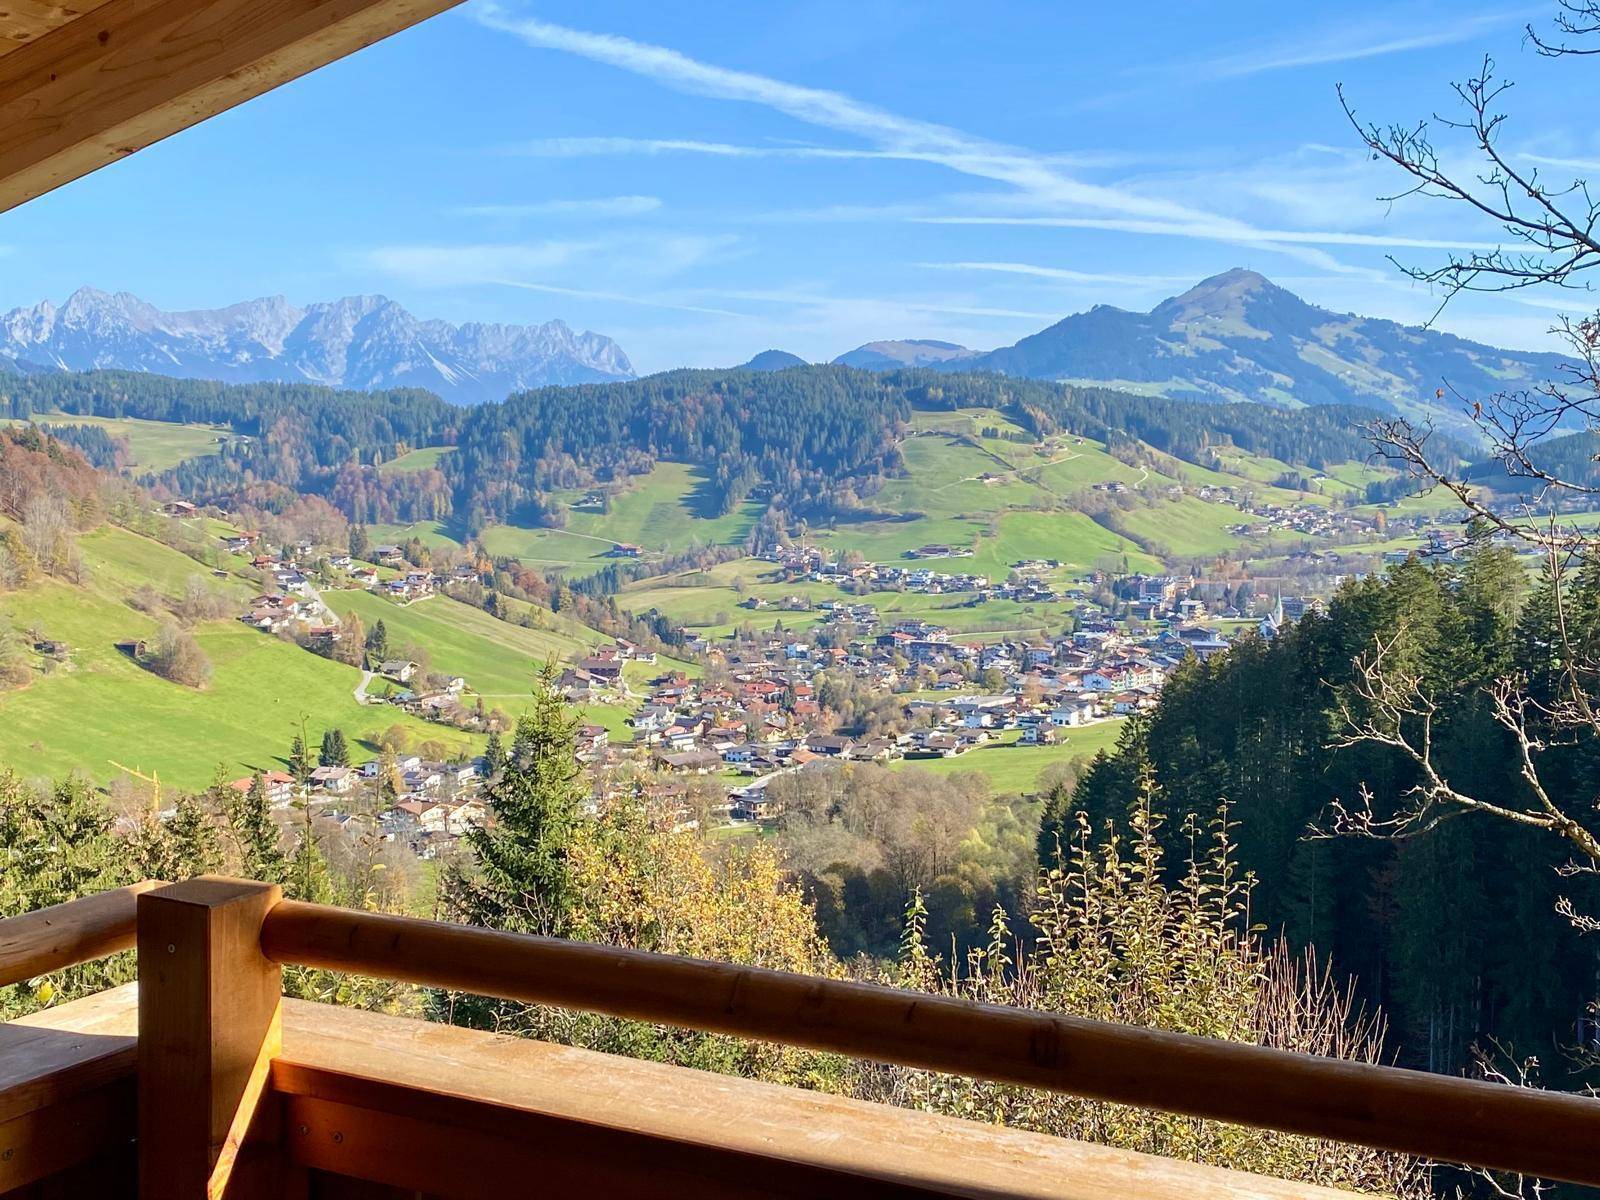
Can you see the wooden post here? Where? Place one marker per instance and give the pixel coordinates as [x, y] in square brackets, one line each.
[209, 1028]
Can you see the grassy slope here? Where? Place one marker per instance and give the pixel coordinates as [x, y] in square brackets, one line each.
[498, 659]
[105, 707]
[664, 511]
[1015, 768]
[415, 460]
[156, 445]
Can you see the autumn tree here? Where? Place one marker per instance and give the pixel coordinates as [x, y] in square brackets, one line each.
[177, 656]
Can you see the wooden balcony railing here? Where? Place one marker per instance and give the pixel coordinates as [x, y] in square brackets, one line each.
[243, 1094]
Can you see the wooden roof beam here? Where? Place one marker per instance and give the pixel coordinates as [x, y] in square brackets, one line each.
[130, 72]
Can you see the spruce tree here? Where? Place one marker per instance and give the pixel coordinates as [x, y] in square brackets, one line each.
[299, 761]
[494, 755]
[255, 834]
[378, 641]
[192, 834]
[523, 882]
[335, 751]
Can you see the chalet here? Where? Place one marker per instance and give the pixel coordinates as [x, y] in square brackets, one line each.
[1039, 733]
[830, 746]
[389, 556]
[604, 669]
[337, 780]
[400, 670]
[625, 550]
[689, 762]
[279, 786]
[1075, 710]
[178, 508]
[578, 685]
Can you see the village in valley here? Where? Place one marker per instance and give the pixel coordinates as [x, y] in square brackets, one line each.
[708, 723]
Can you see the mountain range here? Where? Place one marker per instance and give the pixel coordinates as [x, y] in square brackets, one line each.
[363, 342]
[1235, 336]
[1238, 336]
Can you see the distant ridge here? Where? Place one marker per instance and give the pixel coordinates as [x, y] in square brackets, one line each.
[1239, 336]
[363, 342]
[774, 360]
[911, 352]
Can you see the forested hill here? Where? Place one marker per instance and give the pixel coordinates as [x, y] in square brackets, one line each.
[815, 439]
[823, 437]
[1455, 932]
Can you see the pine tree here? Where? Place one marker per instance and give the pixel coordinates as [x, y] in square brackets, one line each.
[299, 761]
[494, 754]
[308, 876]
[524, 879]
[335, 751]
[255, 834]
[56, 847]
[378, 642]
[196, 847]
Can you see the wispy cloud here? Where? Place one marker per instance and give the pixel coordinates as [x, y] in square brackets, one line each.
[1061, 274]
[1563, 164]
[587, 147]
[1222, 229]
[1043, 182]
[614, 297]
[890, 134]
[1351, 44]
[598, 207]
[540, 265]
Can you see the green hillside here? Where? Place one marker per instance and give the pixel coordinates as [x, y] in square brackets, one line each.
[497, 659]
[155, 445]
[415, 460]
[663, 511]
[102, 707]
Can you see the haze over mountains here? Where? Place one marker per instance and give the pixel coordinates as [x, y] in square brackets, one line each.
[362, 342]
[1235, 336]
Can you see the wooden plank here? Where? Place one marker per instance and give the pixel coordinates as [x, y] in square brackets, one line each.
[412, 1101]
[67, 1095]
[49, 1141]
[1546, 1134]
[60, 1052]
[23, 20]
[39, 942]
[135, 71]
[209, 1028]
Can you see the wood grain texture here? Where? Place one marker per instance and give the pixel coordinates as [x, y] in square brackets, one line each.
[132, 72]
[24, 20]
[1546, 1134]
[209, 1027]
[64, 935]
[67, 1094]
[410, 1104]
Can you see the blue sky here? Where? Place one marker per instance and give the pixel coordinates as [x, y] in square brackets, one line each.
[702, 182]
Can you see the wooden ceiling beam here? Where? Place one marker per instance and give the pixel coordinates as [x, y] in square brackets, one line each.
[130, 72]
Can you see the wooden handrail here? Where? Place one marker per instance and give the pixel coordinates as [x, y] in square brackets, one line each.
[1552, 1135]
[67, 934]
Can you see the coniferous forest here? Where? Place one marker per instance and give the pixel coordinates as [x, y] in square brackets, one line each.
[1452, 928]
